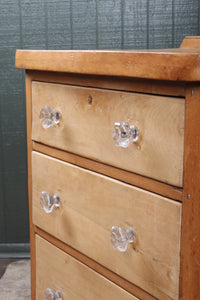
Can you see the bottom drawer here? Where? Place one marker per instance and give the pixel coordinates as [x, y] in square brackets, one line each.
[59, 271]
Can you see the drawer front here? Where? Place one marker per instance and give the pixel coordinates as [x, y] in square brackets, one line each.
[88, 116]
[91, 204]
[59, 271]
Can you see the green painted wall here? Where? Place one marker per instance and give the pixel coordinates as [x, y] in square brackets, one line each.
[75, 24]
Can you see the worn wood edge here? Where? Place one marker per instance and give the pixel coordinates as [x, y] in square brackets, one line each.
[33, 263]
[177, 65]
[167, 88]
[113, 172]
[191, 42]
[29, 151]
[192, 37]
[190, 235]
[129, 287]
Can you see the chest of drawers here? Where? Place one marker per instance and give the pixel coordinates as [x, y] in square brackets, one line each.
[113, 170]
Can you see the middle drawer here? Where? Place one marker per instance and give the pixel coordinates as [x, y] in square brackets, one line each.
[90, 204]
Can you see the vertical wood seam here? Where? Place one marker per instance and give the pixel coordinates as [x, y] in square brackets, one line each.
[2, 181]
[20, 25]
[29, 150]
[71, 25]
[122, 24]
[190, 234]
[97, 28]
[198, 18]
[147, 24]
[173, 20]
[46, 24]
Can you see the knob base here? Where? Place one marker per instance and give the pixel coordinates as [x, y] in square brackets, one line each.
[123, 134]
[120, 238]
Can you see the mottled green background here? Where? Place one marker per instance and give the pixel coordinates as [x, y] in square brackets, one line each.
[75, 24]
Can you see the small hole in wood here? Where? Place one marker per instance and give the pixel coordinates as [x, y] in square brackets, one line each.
[90, 99]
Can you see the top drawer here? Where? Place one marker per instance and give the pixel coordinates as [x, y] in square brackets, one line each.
[87, 120]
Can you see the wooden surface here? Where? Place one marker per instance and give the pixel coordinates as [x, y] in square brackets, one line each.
[125, 176]
[190, 251]
[29, 160]
[86, 129]
[91, 204]
[177, 65]
[189, 288]
[191, 42]
[129, 287]
[167, 88]
[57, 270]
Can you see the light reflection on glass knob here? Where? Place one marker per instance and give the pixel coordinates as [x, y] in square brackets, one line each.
[120, 238]
[48, 117]
[49, 294]
[123, 134]
[48, 202]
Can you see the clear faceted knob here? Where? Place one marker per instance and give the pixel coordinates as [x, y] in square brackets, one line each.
[120, 238]
[49, 294]
[48, 202]
[123, 134]
[48, 117]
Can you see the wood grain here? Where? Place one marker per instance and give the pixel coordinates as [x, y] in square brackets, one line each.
[133, 18]
[29, 152]
[129, 287]
[190, 249]
[109, 24]
[191, 42]
[177, 65]
[125, 176]
[91, 204]
[58, 24]
[86, 129]
[166, 88]
[160, 24]
[54, 269]
[33, 29]
[83, 23]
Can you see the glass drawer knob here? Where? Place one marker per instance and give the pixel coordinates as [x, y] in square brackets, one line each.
[48, 202]
[48, 117]
[123, 133]
[120, 238]
[49, 294]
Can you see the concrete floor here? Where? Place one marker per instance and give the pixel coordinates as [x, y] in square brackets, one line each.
[15, 279]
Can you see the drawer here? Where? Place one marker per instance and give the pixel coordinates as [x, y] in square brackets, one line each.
[90, 204]
[88, 117]
[59, 271]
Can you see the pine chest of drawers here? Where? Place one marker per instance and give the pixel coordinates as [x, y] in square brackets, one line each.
[114, 164]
